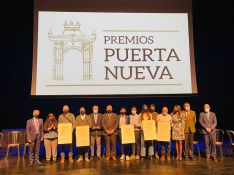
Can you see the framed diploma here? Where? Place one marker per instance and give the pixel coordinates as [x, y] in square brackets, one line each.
[65, 133]
[127, 134]
[149, 130]
[82, 136]
[164, 131]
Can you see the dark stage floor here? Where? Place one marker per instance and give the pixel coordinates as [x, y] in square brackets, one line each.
[146, 167]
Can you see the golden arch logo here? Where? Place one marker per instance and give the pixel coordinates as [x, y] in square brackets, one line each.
[70, 39]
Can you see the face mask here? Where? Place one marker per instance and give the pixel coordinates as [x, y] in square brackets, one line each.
[133, 112]
[207, 110]
[176, 111]
[122, 113]
[152, 109]
[36, 116]
[145, 109]
[82, 112]
[109, 111]
[95, 111]
[65, 112]
[187, 108]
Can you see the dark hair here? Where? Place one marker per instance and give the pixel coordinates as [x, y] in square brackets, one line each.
[152, 105]
[134, 107]
[50, 114]
[122, 108]
[187, 103]
[143, 106]
[177, 106]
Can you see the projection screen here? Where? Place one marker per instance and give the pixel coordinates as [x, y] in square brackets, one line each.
[81, 50]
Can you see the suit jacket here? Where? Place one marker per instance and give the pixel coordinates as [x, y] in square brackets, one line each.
[85, 122]
[110, 122]
[208, 123]
[190, 122]
[31, 130]
[96, 132]
[67, 118]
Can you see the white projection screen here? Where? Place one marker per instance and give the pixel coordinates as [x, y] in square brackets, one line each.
[100, 49]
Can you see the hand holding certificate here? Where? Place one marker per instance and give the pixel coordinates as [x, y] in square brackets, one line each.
[127, 134]
[164, 131]
[82, 136]
[149, 130]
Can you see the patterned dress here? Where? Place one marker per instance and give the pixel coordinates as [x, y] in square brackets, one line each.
[178, 124]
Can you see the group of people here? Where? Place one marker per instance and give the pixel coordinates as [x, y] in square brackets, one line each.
[108, 127]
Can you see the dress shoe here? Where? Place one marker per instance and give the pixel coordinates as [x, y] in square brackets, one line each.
[127, 158]
[122, 157]
[62, 160]
[87, 160]
[156, 155]
[80, 159]
[71, 160]
[137, 157]
[214, 158]
[132, 157]
[162, 158]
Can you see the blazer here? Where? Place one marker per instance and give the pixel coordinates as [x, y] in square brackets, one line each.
[110, 122]
[31, 131]
[85, 122]
[190, 122]
[96, 132]
[205, 123]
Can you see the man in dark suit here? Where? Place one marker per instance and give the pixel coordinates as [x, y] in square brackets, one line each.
[34, 135]
[208, 122]
[110, 125]
[96, 131]
[190, 121]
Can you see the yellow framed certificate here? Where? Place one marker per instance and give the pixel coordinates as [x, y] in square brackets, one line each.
[164, 131]
[65, 133]
[127, 134]
[149, 130]
[82, 136]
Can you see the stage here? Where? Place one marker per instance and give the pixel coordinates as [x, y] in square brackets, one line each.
[20, 166]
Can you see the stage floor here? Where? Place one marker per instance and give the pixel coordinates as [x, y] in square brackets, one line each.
[146, 167]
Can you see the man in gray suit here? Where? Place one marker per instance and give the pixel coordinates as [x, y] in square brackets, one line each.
[96, 131]
[110, 124]
[34, 135]
[208, 122]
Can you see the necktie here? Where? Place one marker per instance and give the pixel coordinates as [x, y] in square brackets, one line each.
[188, 115]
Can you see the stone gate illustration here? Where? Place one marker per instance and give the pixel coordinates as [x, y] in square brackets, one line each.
[72, 38]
